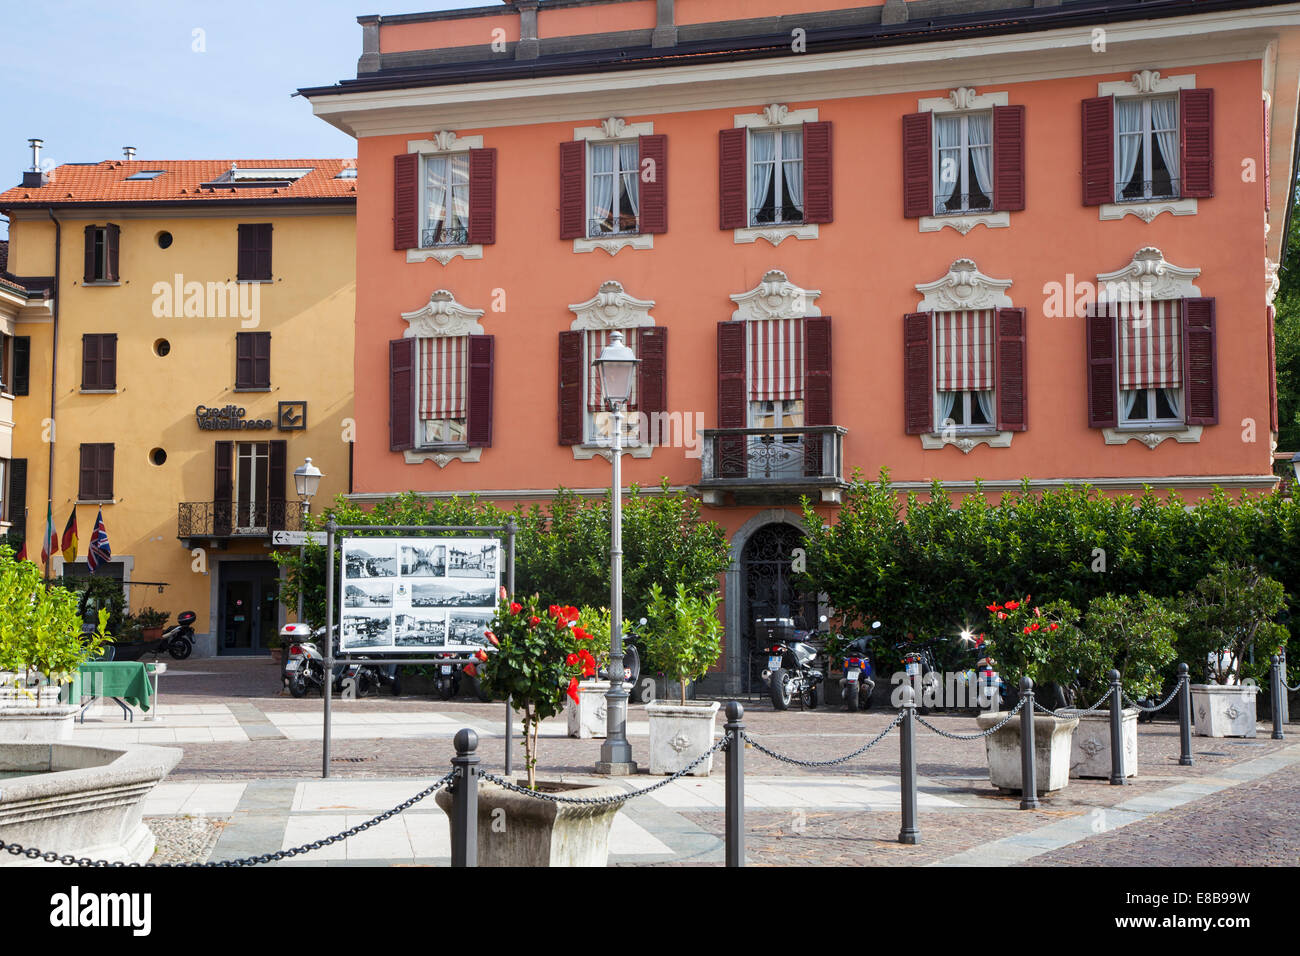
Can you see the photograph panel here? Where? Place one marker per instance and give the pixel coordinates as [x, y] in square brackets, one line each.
[363, 593]
[470, 559]
[465, 628]
[420, 629]
[422, 560]
[370, 559]
[366, 630]
[453, 594]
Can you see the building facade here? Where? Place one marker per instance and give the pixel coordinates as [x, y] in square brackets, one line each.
[191, 347]
[958, 240]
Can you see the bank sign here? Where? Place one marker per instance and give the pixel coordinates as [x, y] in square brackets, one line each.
[230, 418]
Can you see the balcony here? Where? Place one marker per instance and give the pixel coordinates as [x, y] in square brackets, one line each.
[772, 465]
[199, 521]
[441, 235]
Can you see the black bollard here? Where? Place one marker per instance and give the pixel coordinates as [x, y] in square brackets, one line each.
[735, 784]
[1028, 764]
[910, 833]
[464, 803]
[1184, 716]
[510, 730]
[1116, 731]
[1275, 679]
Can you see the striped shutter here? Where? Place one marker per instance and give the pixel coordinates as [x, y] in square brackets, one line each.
[652, 380]
[1150, 345]
[733, 189]
[730, 452]
[1200, 363]
[653, 192]
[1009, 158]
[276, 478]
[964, 347]
[223, 487]
[1268, 157]
[401, 394]
[443, 376]
[918, 190]
[817, 393]
[593, 341]
[482, 196]
[1009, 375]
[570, 388]
[478, 411]
[774, 357]
[918, 381]
[1098, 150]
[1103, 397]
[406, 201]
[1196, 141]
[818, 181]
[573, 190]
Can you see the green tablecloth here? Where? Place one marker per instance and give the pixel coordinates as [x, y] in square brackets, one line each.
[127, 680]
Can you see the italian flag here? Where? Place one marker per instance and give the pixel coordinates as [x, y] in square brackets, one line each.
[50, 545]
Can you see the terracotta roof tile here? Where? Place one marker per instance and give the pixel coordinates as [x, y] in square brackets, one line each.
[183, 181]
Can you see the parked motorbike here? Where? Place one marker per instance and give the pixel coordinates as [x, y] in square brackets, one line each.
[178, 640]
[790, 670]
[921, 670]
[989, 686]
[304, 669]
[446, 680]
[859, 681]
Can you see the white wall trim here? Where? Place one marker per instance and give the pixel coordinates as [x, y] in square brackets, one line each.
[964, 287]
[1146, 83]
[442, 457]
[444, 254]
[965, 443]
[776, 234]
[615, 244]
[128, 568]
[961, 99]
[775, 297]
[774, 116]
[1151, 437]
[964, 222]
[442, 316]
[586, 452]
[1148, 276]
[614, 128]
[1146, 210]
[611, 308]
[444, 141]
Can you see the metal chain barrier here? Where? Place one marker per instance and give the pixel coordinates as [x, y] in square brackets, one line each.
[982, 734]
[613, 798]
[68, 860]
[1161, 706]
[824, 763]
[1294, 690]
[1074, 711]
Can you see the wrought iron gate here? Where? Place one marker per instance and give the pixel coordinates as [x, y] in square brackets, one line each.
[769, 591]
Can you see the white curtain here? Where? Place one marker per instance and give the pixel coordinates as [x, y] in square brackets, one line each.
[1127, 399]
[948, 131]
[435, 191]
[459, 182]
[629, 159]
[1164, 119]
[792, 167]
[1129, 113]
[980, 132]
[985, 400]
[602, 184]
[1174, 396]
[762, 154]
[947, 401]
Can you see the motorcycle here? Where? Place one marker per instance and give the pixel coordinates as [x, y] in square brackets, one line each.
[990, 689]
[446, 681]
[790, 670]
[922, 674]
[178, 640]
[859, 680]
[304, 669]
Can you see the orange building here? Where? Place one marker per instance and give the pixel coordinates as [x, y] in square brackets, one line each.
[954, 241]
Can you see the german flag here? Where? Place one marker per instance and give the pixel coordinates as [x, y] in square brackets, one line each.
[69, 544]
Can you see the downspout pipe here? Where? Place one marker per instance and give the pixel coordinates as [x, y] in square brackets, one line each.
[54, 364]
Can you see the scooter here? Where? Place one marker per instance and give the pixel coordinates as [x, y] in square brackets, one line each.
[305, 669]
[178, 640]
[990, 689]
[790, 672]
[921, 673]
[859, 680]
[446, 681]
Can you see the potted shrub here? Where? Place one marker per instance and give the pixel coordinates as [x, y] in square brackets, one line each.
[1131, 634]
[1230, 611]
[1035, 642]
[537, 658]
[151, 623]
[41, 647]
[586, 713]
[683, 638]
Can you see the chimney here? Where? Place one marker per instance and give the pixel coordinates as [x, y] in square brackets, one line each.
[128, 152]
[35, 177]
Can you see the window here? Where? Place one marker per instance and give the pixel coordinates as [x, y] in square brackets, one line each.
[252, 361]
[1146, 148]
[614, 201]
[963, 370]
[963, 160]
[99, 362]
[252, 483]
[776, 176]
[96, 478]
[445, 202]
[599, 419]
[101, 254]
[442, 384]
[254, 257]
[6, 363]
[1150, 357]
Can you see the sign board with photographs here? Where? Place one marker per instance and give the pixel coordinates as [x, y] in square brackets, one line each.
[418, 594]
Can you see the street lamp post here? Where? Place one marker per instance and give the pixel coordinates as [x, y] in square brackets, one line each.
[617, 367]
[306, 479]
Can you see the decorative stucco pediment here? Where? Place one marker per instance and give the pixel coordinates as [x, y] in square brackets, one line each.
[443, 315]
[964, 287]
[1148, 276]
[776, 297]
[612, 308]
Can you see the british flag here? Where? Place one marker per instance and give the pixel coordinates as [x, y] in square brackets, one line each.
[99, 552]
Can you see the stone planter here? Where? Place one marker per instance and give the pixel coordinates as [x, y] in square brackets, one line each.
[1090, 749]
[678, 735]
[518, 830]
[1052, 736]
[1224, 710]
[33, 714]
[587, 717]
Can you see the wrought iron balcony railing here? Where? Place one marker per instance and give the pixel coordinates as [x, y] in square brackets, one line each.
[444, 236]
[962, 202]
[790, 215]
[778, 458]
[1146, 190]
[226, 519]
[623, 226]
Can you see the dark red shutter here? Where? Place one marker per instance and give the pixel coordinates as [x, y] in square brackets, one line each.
[478, 425]
[652, 380]
[96, 482]
[918, 376]
[1196, 139]
[243, 360]
[1098, 150]
[262, 359]
[1008, 158]
[401, 394]
[88, 274]
[406, 199]
[482, 196]
[277, 475]
[818, 192]
[22, 382]
[86, 472]
[1103, 395]
[1272, 370]
[730, 459]
[817, 393]
[90, 361]
[223, 487]
[1200, 365]
[16, 500]
[571, 373]
[112, 236]
[573, 190]
[1268, 157]
[262, 253]
[246, 258]
[732, 179]
[654, 191]
[108, 361]
[1009, 378]
[918, 165]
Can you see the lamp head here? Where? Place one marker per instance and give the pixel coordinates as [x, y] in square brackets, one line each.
[306, 479]
[617, 367]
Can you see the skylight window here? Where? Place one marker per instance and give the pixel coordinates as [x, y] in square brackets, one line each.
[347, 172]
[145, 174]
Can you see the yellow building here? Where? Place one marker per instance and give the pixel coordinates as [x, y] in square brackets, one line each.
[183, 334]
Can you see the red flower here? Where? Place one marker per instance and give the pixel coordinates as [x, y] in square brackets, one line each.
[501, 593]
[1012, 605]
[481, 654]
[573, 689]
[993, 607]
[581, 635]
[471, 670]
[492, 638]
[516, 607]
[571, 660]
[584, 655]
[1051, 627]
[1001, 616]
[534, 621]
[1026, 631]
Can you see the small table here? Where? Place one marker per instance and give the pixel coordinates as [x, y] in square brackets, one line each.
[124, 682]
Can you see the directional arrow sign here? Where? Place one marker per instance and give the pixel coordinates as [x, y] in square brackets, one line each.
[297, 537]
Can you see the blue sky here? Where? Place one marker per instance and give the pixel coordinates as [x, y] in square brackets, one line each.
[91, 77]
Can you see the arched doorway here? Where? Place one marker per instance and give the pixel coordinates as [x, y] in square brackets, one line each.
[768, 590]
